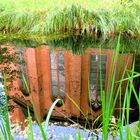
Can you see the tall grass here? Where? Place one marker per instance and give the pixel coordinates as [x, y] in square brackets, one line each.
[84, 17]
[107, 98]
[5, 122]
[5, 128]
[111, 96]
[31, 134]
[45, 129]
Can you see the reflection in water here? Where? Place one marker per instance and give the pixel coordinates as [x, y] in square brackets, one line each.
[78, 44]
[97, 66]
[22, 70]
[57, 74]
[51, 73]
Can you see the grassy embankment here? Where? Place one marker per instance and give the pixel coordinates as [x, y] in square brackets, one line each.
[38, 19]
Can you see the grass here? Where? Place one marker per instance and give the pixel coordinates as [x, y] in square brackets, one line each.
[110, 102]
[5, 129]
[41, 18]
[35, 19]
[31, 134]
[45, 129]
[5, 125]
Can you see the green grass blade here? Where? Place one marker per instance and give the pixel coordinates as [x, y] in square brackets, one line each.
[50, 112]
[3, 130]
[31, 125]
[36, 115]
[7, 121]
[43, 133]
[26, 83]
[76, 105]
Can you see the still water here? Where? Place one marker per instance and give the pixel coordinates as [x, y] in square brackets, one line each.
[75, 69]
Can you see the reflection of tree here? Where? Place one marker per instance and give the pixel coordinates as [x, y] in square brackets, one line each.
[8, 61]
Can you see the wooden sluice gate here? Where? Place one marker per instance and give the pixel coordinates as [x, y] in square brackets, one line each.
[53, 74]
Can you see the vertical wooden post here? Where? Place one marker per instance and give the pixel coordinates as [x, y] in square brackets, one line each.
[44, 78]
[33, 78]
[74, 74]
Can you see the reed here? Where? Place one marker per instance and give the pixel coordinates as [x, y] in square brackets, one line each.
[111, 96]
[31, 134]
[4, 121]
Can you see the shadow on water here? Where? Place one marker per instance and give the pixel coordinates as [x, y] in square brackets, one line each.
[67, 73]
[76, 43]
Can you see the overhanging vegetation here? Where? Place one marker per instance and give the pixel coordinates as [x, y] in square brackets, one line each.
[44, 18]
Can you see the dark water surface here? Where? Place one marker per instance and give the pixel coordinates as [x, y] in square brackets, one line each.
[76, 43]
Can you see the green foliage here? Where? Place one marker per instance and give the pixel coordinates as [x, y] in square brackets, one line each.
[49, 114]
[31, 134]
[78, 17]
[111, 96]
[4, 121]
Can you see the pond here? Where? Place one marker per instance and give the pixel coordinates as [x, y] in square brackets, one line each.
[76, 69]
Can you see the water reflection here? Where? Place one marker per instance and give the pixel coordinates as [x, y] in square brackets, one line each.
[78, 44]
[97, 66]
[57, 74]
[70, 68]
